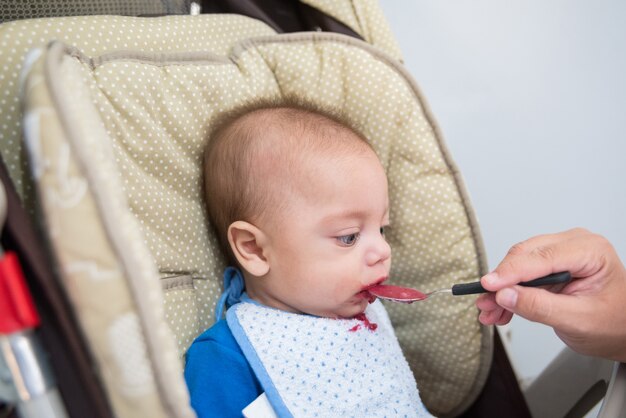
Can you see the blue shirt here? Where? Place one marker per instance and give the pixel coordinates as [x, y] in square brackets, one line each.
[220, 380]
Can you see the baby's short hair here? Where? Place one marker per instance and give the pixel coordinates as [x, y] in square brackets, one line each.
[270, 133]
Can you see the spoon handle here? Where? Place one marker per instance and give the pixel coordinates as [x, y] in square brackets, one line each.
[476, 287]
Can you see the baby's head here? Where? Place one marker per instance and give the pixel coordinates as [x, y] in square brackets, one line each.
[260, 154]
[291, 189]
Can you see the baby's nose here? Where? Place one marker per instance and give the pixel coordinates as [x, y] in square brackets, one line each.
[380, 251]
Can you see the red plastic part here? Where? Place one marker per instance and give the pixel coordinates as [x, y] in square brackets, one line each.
[17, 309]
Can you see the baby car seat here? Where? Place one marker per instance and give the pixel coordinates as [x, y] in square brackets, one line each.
[115, 113]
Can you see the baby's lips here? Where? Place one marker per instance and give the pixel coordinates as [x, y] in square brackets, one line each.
[371, 297]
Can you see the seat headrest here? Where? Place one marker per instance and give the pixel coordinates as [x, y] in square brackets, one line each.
[134, 125]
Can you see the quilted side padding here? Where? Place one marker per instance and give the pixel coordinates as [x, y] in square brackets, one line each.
[154, 111]
[134, 353]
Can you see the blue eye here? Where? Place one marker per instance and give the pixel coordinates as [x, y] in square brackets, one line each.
[348, 240]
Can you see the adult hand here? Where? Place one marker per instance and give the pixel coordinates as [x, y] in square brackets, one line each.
[588, 313]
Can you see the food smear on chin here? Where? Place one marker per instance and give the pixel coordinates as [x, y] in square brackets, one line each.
[366, 323]
[396, 293]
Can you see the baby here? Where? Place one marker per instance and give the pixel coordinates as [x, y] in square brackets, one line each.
[299, 202]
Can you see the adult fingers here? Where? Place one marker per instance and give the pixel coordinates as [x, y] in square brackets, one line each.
[490, 312]
[487, 302]
[540, 305]
[505, 317]
[498, 316]
[578, 251]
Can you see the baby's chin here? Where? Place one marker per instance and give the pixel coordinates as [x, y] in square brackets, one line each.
[347, 310]
[354, 310]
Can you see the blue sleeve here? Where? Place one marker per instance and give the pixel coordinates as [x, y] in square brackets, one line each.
[220, 380]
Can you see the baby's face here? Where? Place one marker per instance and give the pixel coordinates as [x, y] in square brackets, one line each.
[329, 246]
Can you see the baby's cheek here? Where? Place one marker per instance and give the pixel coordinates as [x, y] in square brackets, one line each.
[346, 287]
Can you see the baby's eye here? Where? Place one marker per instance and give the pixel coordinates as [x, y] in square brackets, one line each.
[382, 230]
[348, 240]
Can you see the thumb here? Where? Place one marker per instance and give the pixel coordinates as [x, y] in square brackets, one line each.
[537, 305]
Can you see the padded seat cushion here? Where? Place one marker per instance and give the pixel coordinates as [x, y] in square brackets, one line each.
[96, 35]
[116, 142]
[365, 17]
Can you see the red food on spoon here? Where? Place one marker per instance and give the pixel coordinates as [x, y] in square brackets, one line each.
[397, 293]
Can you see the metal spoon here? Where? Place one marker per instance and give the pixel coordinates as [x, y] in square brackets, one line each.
[410, 295]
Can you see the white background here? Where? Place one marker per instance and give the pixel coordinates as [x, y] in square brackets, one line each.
[531, 98]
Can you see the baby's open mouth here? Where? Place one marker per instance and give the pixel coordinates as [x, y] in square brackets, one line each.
[366, 294]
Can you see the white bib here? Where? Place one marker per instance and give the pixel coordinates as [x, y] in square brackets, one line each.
[320, 367]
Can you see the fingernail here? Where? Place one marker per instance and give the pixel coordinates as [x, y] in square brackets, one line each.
[491, 278]
[507, 297]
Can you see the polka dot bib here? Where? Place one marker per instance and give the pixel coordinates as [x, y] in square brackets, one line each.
[320, 367]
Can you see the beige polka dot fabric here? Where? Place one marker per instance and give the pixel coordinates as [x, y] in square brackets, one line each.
[96, 35]
[365, 18]
[132, 124]
[103, 262]
[181, 300]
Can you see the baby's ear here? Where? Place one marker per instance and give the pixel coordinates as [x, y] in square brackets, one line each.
[246, 242]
